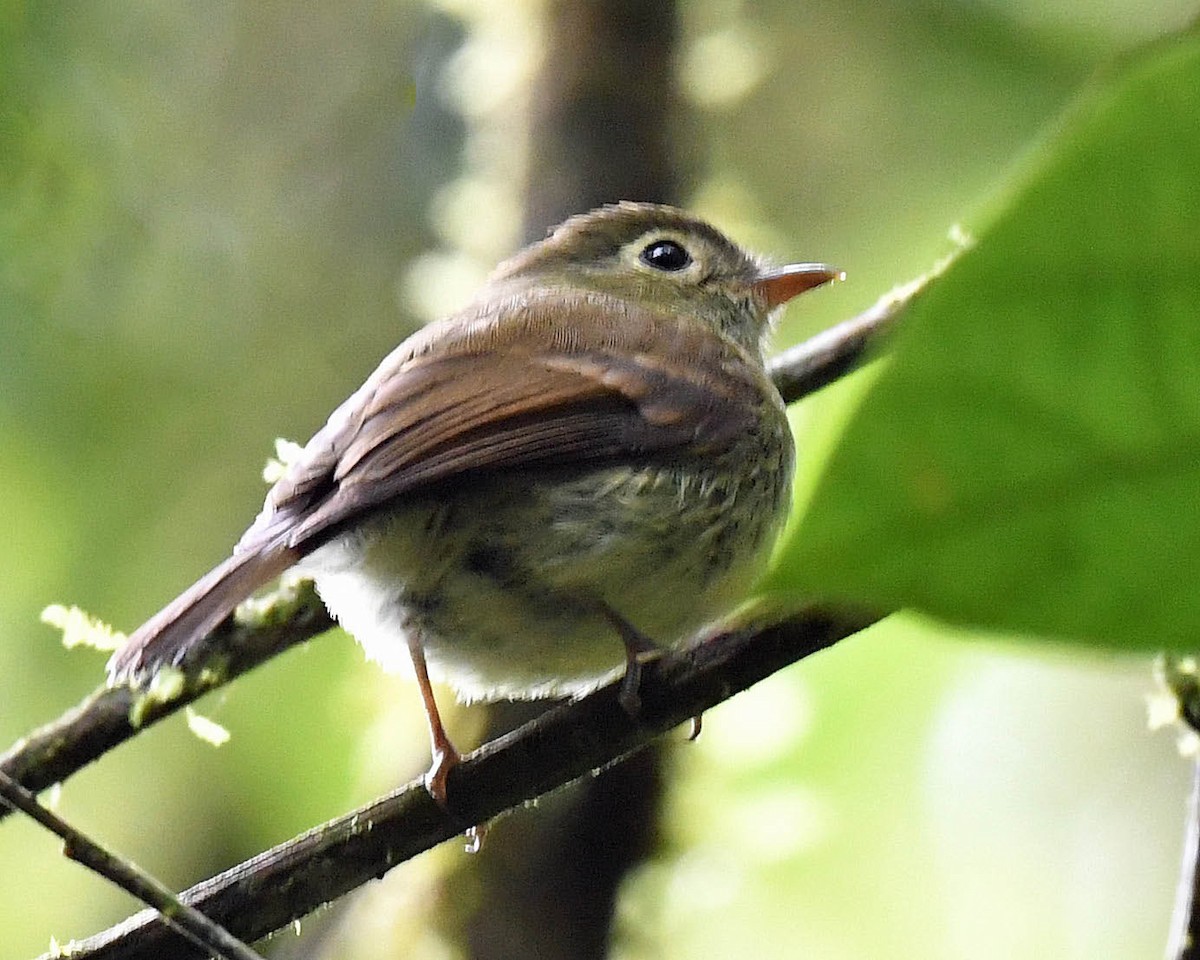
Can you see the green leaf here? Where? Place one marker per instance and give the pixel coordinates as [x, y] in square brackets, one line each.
[1029, 458]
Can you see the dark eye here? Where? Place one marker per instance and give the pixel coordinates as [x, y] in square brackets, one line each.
[665, 255]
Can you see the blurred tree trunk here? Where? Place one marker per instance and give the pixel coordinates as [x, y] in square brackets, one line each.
[604, 109]
[604, 125]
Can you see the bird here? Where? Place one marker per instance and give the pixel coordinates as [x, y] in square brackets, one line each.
[532, 496]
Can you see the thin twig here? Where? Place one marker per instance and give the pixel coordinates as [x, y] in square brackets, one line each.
[833, 353]
[281, 885]
[187, 921]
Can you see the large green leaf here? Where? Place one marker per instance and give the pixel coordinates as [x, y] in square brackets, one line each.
[1030, 457]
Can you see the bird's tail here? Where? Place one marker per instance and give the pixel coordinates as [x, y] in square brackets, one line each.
[165, 639]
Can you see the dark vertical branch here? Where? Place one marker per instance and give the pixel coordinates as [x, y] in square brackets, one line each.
[548, 881]
[604, 108]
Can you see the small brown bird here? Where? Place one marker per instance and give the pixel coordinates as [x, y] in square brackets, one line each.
[528, 496]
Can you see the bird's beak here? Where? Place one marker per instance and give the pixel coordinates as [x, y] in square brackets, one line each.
[779, 285]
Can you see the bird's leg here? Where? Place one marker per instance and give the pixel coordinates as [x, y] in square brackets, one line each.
[639, 650]
[445, 756]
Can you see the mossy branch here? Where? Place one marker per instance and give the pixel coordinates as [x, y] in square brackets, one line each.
[109, 716]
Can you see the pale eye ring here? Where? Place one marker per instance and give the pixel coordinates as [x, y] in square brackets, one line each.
[666, 255]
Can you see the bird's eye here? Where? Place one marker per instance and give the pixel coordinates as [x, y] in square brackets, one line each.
[665, 255]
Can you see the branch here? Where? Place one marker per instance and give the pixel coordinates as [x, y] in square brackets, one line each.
[830, 355]
[187, 921]
[567, 743]
[111, 715]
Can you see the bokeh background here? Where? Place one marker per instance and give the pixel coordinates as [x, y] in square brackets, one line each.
[215, 219]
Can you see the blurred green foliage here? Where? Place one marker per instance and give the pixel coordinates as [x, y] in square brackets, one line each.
[1027, 454]
[206, 213]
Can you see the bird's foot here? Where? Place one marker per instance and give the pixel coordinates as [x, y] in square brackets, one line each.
[445, 759]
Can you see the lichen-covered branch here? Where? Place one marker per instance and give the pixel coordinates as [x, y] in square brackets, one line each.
[111, 715]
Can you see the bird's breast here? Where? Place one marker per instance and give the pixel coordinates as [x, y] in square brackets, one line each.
[503, 578]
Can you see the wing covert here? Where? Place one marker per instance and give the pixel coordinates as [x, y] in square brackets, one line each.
[606, 390]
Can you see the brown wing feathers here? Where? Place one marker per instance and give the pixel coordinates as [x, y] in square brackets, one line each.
[444, 413]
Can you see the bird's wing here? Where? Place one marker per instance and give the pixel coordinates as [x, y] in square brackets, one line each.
[512, 388]
[502, 387]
